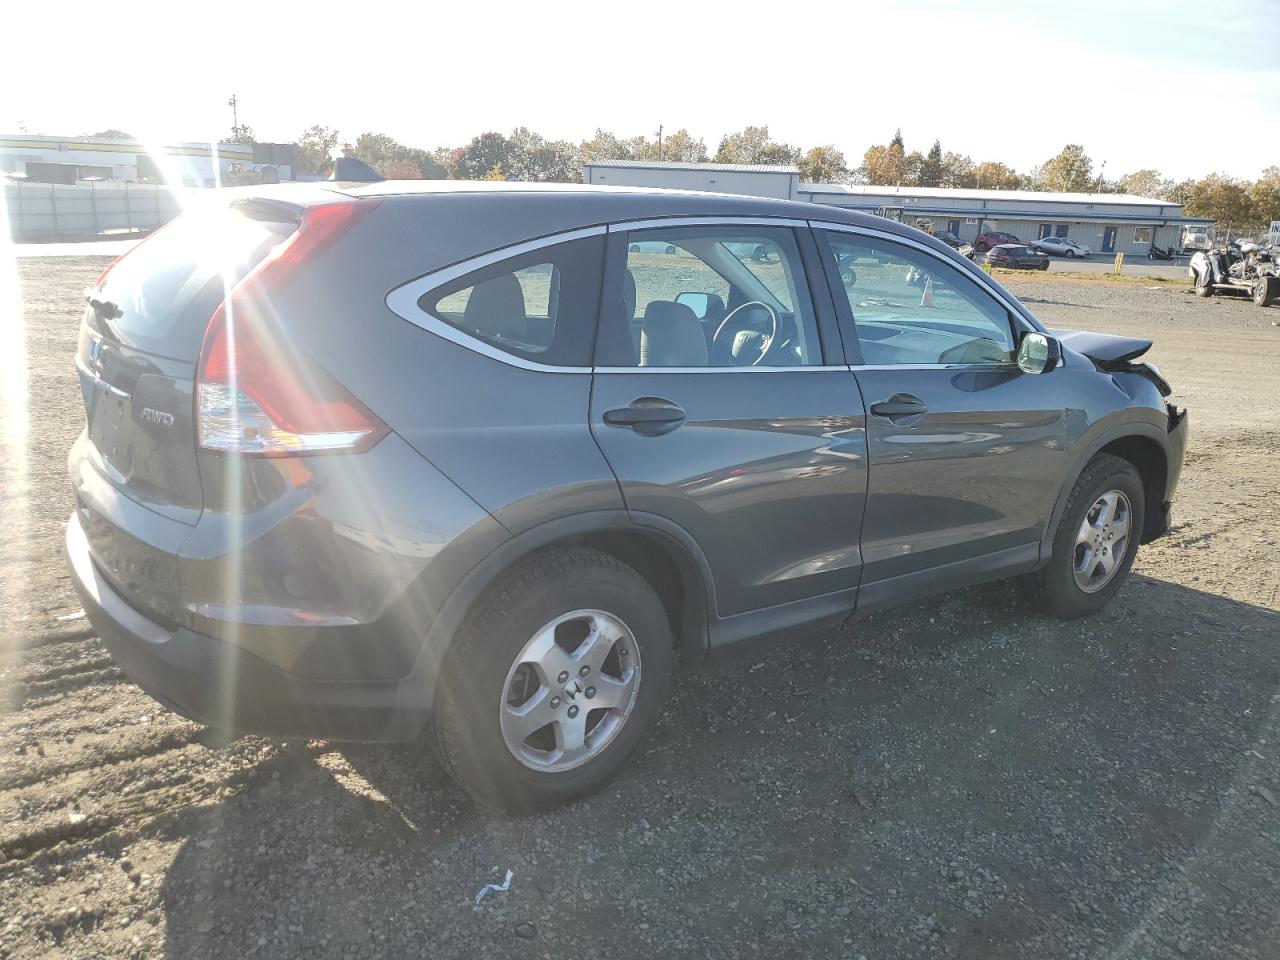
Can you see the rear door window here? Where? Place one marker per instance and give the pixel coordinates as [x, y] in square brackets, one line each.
[167, 288]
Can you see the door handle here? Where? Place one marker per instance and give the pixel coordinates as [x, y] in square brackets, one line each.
[899, 407]
[649, 415]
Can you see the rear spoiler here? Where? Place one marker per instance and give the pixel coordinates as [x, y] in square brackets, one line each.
[355, 171]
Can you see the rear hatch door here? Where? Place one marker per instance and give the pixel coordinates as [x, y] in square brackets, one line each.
[140, 339]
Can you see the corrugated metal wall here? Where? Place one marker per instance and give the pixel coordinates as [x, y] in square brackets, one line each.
[48, 211]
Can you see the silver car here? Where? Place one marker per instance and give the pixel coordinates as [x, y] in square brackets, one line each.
[1059, 247]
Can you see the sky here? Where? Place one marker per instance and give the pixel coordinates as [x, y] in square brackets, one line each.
[1138, 84]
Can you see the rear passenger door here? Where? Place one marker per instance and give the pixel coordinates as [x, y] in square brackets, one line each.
[719, 411]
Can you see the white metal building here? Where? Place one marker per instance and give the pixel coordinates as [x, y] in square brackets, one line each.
[778, 182]
[68, 160]
[1103, 222]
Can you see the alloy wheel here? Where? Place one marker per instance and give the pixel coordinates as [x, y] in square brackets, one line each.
[1102, 540]
[570, 690]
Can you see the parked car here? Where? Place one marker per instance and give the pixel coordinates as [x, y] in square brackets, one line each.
[1015, 256]
[1059, 247]
[351, 471]
[993, 238]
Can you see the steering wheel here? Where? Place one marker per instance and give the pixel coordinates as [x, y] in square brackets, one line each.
[768, 341]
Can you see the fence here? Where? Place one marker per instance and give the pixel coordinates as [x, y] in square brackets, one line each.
[56, 211]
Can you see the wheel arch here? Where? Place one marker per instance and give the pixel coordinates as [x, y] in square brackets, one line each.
[663, 553]
[1141, 444]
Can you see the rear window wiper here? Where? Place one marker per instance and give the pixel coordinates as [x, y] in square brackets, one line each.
[105, 311]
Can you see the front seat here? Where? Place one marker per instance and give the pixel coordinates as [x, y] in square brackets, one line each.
[496, 309]
[671, 336]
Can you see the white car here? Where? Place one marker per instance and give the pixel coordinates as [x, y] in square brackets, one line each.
[1059, 246]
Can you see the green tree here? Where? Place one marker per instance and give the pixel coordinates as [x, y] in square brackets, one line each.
[531, 157]
[897, 140]
[313, 150]
[931, 169]
[957, 170]
[823, 165]
[402, 168]
[606, 145]
[242, 134]
[111, 133]
[1071, 171]
[682, 147]
[478, 158]
[753, 145]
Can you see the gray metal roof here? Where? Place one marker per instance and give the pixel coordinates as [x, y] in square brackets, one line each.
[679, 165]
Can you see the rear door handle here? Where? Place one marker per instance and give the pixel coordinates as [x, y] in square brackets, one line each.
[899, 407]
[650, 415]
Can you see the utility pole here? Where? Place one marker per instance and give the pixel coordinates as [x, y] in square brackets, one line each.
[1098, 189]
[659, 142]
[235, 120]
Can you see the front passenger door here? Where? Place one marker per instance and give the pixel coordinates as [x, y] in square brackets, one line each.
[965, 448]
[718, 412]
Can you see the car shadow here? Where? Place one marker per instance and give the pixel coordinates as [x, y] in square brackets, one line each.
[963, 777]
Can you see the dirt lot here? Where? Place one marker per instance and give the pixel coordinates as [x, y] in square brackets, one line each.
[964, 778]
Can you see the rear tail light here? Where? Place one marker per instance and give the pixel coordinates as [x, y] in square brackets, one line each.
[255, 395]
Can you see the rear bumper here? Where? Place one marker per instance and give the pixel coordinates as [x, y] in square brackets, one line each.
[225, 686]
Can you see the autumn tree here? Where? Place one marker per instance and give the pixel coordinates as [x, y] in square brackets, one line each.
[823, 165]
[682, 146]
[885, 164]
[1145, 183]
[1071, 171]
[753, 145]
[1264, 196]
[1226, 200]
[993, 175]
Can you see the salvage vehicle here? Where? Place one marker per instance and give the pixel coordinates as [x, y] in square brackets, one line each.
[1238, 268]
[367, 461]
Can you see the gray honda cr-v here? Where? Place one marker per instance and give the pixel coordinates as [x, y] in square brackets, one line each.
[366, 459]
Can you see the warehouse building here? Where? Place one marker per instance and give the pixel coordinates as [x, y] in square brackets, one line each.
[1103, 222]
[68, 160]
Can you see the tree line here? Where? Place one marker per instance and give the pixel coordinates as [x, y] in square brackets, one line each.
[1236, 204]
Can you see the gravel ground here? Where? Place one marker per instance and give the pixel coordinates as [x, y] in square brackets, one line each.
[961, 778]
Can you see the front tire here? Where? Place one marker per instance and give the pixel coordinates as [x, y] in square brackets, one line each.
[1265, 290]
[1204, 289]
[553, 681]
[1096, 540]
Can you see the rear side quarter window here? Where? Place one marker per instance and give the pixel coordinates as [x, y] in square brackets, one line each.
[539, 305]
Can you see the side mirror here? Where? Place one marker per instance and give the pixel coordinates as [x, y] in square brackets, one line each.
[1038, 353]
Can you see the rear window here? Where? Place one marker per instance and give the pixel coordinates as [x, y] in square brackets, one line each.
[168, 287]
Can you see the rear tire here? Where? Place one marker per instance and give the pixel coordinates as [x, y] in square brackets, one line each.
[1265, 290]
[584, 591]
[1071, 254]
[1077, 580]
